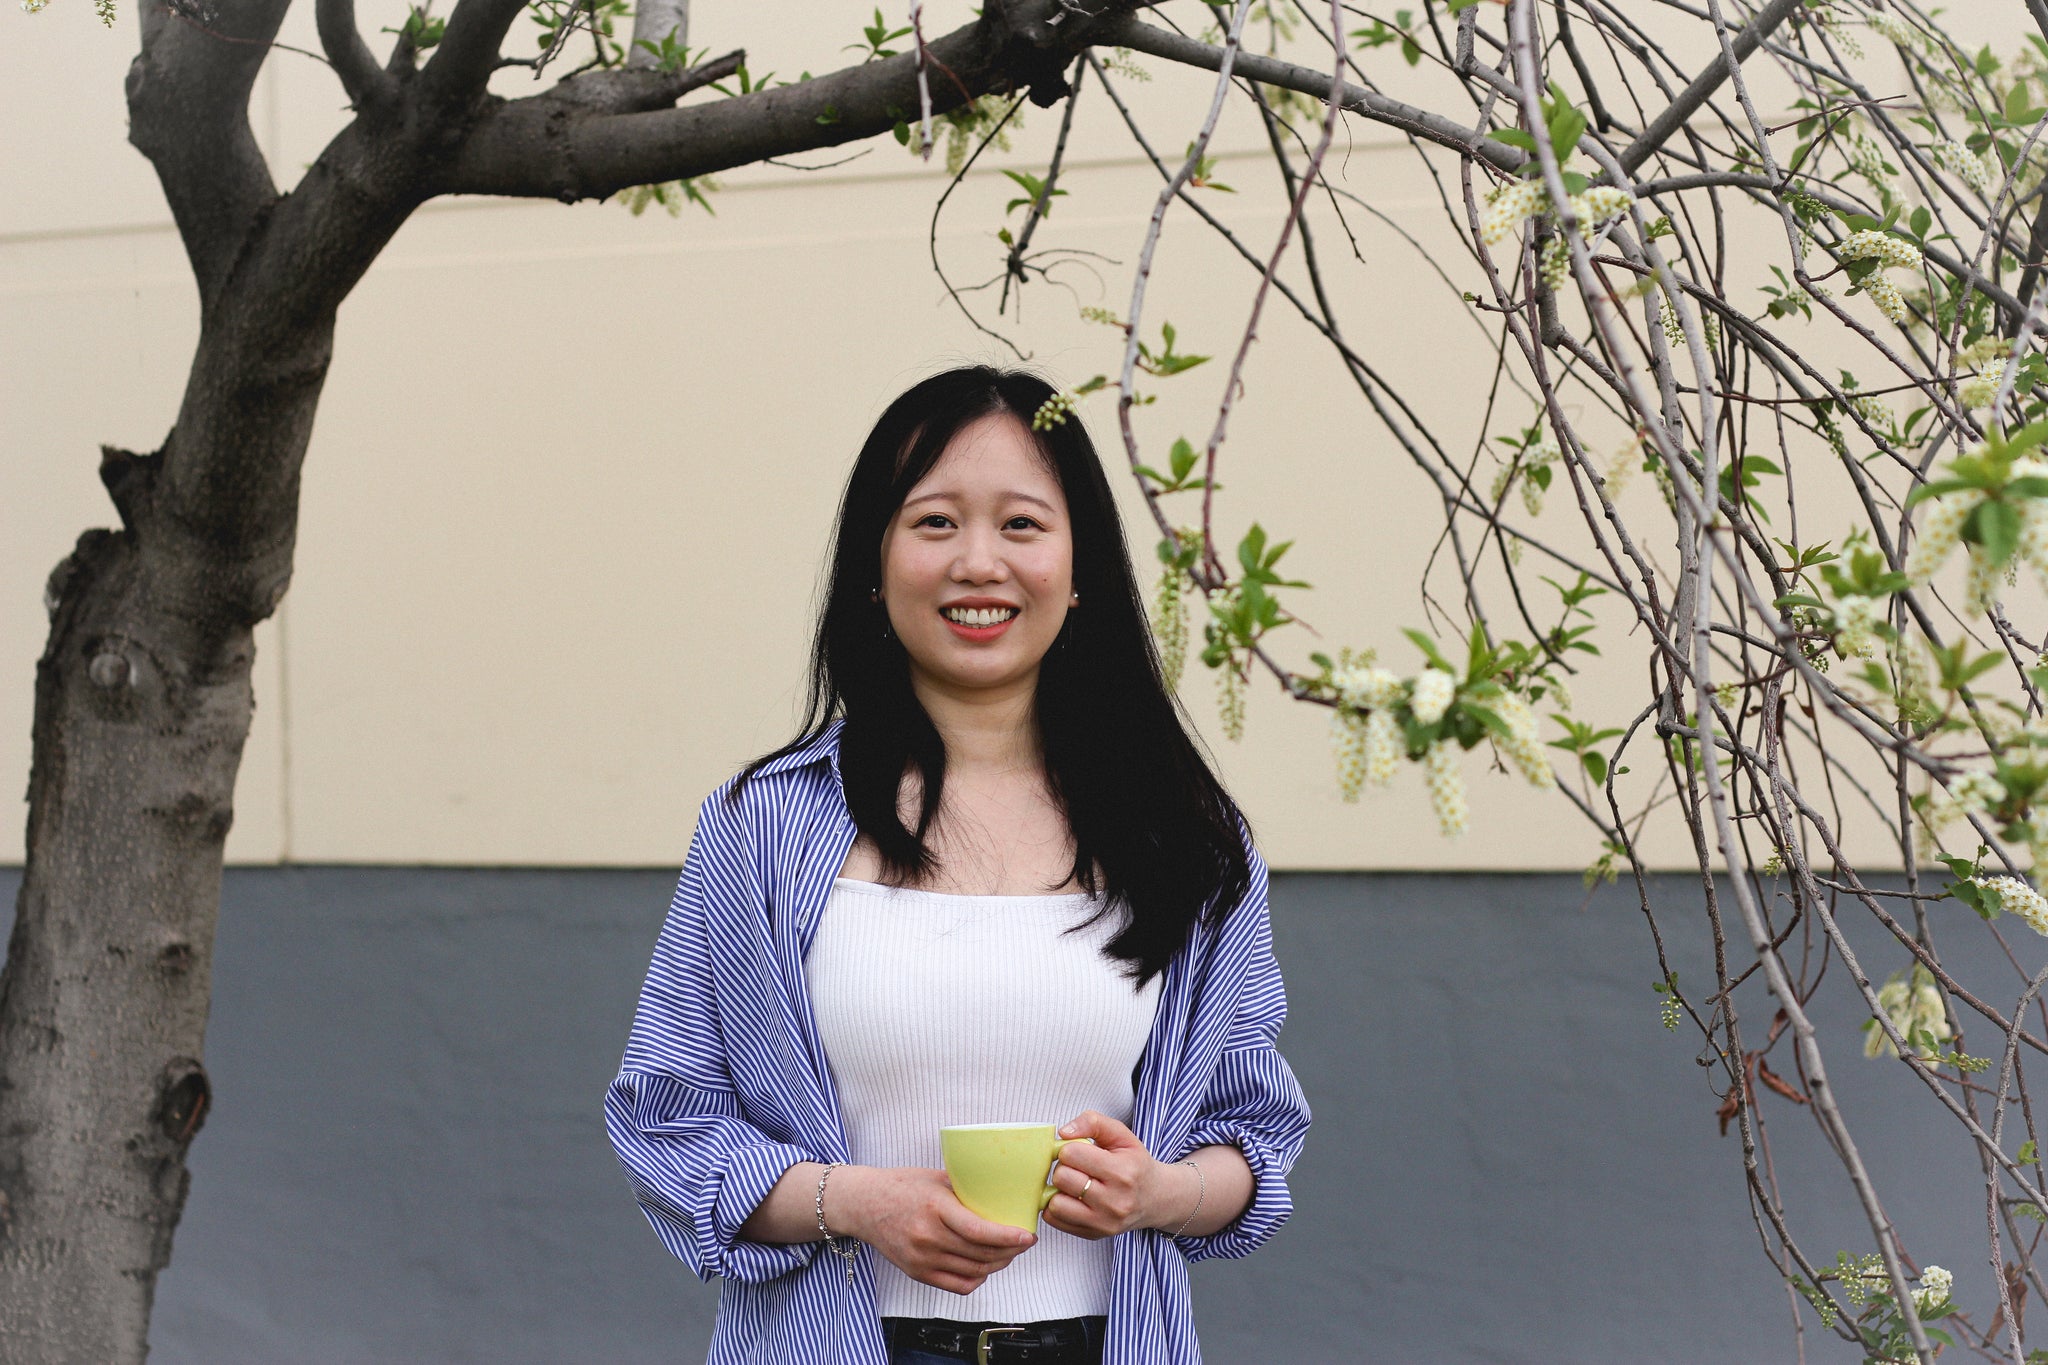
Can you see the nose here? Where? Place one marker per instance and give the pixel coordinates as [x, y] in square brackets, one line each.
[981, 558]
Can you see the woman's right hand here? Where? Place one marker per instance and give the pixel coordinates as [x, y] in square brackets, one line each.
[912, 1217]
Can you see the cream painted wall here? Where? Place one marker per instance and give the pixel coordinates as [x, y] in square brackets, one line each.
[569, 492]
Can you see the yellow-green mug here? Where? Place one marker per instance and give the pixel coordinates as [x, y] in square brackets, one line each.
[999, 1170]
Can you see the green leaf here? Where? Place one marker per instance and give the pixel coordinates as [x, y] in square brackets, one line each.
[1567, 126]
[1514, 137]
[1596, 766]
[1995, 525]
[1251, 550]
[1478, 655]
[1429, 650]
[1921, 221]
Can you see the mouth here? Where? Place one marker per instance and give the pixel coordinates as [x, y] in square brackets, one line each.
[978, 623]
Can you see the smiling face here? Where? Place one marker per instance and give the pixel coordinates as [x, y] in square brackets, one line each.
[978, 563]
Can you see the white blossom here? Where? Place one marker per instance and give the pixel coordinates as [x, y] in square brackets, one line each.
[1933, 1289]
[1980, 585]
[1866, 158]
[1507, 208]
[1554, 263]
[1976, 791]
[1871, 409]
[1366, 688]
[1886, 296]
[2017, 897]
[2033, 547]
[1446, 787]
[1890, 251]
[1523, 746]
[1966, 165]
[1856, 623]
[1383, 747]
[1980, 388]
[1940, 532]
[1913, 1005]
[1433, 692]
[1891, 28]
[1602, 202]
[1983, 349]
[1347, 738]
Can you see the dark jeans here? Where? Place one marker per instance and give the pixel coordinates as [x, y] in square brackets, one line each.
[904, 1355]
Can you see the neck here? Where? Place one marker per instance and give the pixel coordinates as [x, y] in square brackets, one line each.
[985, 729]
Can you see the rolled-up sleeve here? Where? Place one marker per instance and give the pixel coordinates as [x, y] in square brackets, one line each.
[697, 1164]
[699, 1170]
[1253, 1101]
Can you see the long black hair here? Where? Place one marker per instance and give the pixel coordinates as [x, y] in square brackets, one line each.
[1137, 794]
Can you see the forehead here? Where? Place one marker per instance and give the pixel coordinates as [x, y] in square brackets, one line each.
[990, 455]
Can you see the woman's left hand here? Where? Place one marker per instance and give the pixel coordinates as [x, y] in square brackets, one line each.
[1107, 1188]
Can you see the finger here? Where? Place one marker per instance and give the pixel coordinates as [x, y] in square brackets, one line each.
[972, 1227]
[952, 1284]
[966, 1267]
[1106, 1131]
[1074, 1218]
[1089, 1161]
[977, 1255]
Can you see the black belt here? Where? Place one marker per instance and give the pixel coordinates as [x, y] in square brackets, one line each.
[1066, 1341]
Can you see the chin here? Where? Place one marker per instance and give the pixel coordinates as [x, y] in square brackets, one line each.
[984, 671]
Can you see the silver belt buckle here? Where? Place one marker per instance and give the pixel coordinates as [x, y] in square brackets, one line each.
[981, 1342]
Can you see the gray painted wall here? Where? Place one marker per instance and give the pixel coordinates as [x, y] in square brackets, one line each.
[1512, 1161]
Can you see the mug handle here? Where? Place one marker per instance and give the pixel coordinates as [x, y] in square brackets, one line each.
[1045, 1195]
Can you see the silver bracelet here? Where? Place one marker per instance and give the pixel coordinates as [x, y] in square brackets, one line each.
[844, 1247]
[1201, 1192]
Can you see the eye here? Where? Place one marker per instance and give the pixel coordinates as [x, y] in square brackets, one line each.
[1028, 522]
[930, 517]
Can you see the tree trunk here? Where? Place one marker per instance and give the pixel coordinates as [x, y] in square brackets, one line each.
[103, 1001]
[143, 701]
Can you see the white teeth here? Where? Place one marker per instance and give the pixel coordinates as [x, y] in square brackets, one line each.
[980, 616]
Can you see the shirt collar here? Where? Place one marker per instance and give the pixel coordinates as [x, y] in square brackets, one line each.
[823, 748]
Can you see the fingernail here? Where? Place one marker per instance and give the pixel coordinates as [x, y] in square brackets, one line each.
[1067, 1131]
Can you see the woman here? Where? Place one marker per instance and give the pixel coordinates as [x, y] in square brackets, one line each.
[992, 881]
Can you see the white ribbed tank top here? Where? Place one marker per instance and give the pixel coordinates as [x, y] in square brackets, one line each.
[937, 1009]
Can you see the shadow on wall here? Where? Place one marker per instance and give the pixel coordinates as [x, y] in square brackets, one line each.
[1511, 1161]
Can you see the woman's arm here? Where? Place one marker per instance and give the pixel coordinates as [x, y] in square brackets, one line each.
[908, 1214]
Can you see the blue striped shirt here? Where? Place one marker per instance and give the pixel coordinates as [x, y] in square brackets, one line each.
[724, 1085]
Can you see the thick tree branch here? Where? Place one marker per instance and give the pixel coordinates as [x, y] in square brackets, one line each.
[530, 148]
[365, 82]
[469, 49]
[188, 112]
[1157, 42]
[1704, 85]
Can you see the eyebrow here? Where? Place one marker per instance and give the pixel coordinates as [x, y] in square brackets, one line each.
[1011, 493]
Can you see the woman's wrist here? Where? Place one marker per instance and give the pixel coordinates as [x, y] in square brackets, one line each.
[1176, 1194]
[846, 1201]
